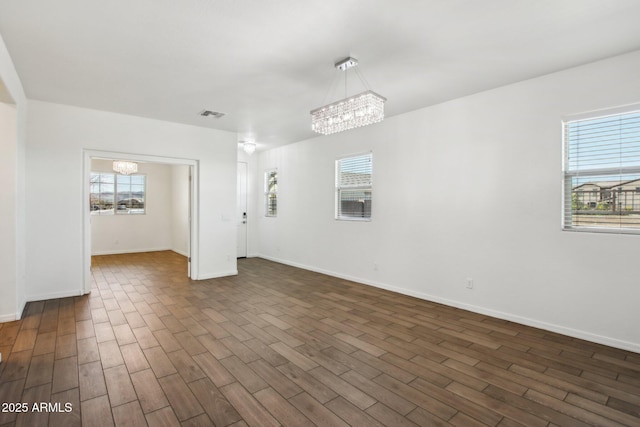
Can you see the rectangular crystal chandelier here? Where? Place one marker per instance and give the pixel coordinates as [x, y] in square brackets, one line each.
[359, 110]
[124, 167]
[356, 111]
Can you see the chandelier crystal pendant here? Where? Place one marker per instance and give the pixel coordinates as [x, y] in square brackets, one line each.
[125, 168]
[249, 147]
[356, 111]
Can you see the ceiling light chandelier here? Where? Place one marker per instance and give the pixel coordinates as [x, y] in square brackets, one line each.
[356, 111]
[249, 147]
[124, 167]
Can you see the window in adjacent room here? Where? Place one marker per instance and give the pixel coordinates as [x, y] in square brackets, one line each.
[117, 194]
[354, 187]
[271, 193]
[602, 172]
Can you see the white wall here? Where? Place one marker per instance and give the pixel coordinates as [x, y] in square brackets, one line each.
[58, 136]
[13, 115]
[153, 231]
[180, 209]
[470, 188]
[8, 210]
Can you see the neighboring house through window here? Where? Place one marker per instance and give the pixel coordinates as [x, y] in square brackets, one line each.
[271, 193]
[602, 172]
[117, 194]
[354, 187]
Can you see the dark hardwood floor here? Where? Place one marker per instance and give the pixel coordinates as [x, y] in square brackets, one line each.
[277, 345]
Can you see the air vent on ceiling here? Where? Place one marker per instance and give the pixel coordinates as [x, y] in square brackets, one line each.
[214, 114]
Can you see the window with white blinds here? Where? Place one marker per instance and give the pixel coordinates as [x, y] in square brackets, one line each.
[354, 187]
[602, 173]
[271, 193]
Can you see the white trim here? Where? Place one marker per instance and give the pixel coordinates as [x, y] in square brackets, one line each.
[218, 275]
[15, 316]
[356, 154]
[9, 318]
[131, 251]
[603, 112]
[21, 307]
[575, 333]
[113, 155]
[194, 219]
[54, 295]
[600, 230]
[86, 222]
[179, 252]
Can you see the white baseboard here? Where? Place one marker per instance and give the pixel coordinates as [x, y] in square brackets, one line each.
[55, 295]
[217, 275]
[8, 317]
[575, 333]
[130, 251]
[37, 297]
[179, 252]
[14, 316]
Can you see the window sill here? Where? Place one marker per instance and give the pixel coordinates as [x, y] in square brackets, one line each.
[353, 219]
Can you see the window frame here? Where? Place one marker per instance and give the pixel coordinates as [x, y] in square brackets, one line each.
[570, 173]
[115, 211]
[270, 194]
[338, 216]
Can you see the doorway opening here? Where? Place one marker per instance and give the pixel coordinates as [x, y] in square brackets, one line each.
[133, 223]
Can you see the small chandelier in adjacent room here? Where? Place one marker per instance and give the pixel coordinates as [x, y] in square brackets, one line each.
[125, 168]
[249, 147]
[358, 110]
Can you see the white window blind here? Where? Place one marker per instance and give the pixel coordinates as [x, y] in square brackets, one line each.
[602, 173]
[354, 187]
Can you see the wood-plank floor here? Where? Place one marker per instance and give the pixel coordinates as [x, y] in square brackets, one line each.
[277, 345]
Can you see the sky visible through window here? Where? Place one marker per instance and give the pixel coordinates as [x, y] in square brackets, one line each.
[604, 143]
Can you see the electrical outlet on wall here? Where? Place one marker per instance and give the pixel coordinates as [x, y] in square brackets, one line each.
[469, 283]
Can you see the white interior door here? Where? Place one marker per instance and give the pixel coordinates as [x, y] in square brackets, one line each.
[241, 212]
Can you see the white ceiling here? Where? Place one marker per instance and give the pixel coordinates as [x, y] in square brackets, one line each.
[267, 63]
